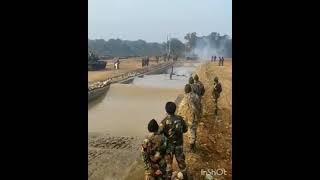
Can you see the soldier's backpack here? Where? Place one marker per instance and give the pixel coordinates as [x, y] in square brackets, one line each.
[201, 89]
[179, 125]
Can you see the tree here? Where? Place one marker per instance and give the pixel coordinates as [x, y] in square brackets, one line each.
[177, 47]
[191, 40]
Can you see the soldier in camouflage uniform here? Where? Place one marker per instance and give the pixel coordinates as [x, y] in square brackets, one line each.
[173, 127]
[194, 87]
[193, 103]
[153, 151]
[217, 89]
[200, 88]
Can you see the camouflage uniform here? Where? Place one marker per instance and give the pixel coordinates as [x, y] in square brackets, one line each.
[194, 88]
[193, 101]
[217, 89]
[153, 151]
[201, 91]
[173, 127]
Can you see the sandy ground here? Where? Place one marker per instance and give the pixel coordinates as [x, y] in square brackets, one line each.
[108, 156]
[126, 65]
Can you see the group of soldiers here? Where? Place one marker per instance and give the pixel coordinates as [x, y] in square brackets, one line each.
[165, 141]
[221, 60]
[145, 61]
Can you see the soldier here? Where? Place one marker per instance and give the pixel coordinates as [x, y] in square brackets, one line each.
[217, 89]
[214, 58]
[118, 63]
[192, 101]
[143, 61]
[211, 58]
[222, 60]
[194, 87]
[153, 151]
[200, 88]
[173, 127]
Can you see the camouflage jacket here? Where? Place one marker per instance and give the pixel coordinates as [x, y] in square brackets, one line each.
[217, 89]
[195, 89]
[201, 89]
[153, 150]
[193, 102]
[173, 127]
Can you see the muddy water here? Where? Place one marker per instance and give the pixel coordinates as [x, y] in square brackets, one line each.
[126, 108]
[117, 121]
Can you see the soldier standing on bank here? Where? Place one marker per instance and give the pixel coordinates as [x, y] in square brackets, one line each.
[214, 58]
[173, 127]
[194, 87]
[192, 101]
[217, 89]
[222, 60]
[200, 88]
[171, 73]
[153, 151]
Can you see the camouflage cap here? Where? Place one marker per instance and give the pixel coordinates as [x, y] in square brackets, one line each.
[191, 81]
[196, 77]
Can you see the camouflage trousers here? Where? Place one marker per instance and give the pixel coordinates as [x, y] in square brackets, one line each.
[177, 152]
[150, 174]
[192, 133]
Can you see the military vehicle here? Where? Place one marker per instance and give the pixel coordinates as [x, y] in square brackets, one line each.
[94, 64]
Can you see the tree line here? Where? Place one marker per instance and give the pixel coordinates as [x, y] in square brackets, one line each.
[117, 47]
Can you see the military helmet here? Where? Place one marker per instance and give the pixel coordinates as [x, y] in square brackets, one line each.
[216, 79]
[153, 126]
[170, 107]
[196, 78]
[187, 88]
[191, 81]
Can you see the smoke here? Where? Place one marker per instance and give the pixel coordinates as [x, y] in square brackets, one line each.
[205, 49]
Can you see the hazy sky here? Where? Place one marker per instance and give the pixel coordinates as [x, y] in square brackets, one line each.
[153, 20]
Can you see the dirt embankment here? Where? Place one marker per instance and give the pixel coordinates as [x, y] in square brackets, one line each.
[126, 65]
[214, 132]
